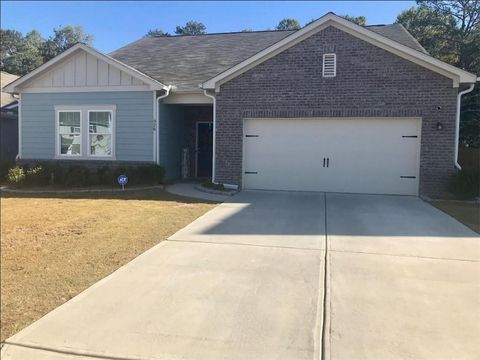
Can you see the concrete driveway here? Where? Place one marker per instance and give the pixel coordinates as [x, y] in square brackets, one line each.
[247, 281]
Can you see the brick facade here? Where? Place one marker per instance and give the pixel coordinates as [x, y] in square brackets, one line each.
[370, 82]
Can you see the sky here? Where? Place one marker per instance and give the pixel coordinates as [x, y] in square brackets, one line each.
[117, 23]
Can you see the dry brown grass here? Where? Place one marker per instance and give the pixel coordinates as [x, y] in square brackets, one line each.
[53, 247]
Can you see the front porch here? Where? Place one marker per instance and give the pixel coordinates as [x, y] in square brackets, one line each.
[185, 138]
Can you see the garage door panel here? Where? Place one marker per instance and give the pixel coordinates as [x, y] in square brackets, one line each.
[365, 155]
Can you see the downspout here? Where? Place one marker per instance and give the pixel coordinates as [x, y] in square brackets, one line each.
[214, 131]
[457, 122]
[19, 124]
[157, 124]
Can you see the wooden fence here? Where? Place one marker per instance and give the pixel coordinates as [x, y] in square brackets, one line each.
[469, 158]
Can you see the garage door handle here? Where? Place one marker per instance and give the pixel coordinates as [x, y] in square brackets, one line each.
[328, 161]
[323, 162]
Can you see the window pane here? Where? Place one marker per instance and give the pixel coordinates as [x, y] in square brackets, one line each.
[69, 122]
[70, 144]
[100, 122]
[101, 145]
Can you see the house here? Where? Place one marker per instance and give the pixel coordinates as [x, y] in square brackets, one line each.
[8, 120]
[331, 107]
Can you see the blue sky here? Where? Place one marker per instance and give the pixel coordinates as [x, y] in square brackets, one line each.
[116, 23]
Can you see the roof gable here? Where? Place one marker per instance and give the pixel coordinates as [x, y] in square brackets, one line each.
[82, 68]
[330, 19]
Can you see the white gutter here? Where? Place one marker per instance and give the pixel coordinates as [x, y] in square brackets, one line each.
[157, 124]
[19, 112]
[457, 122]
[214, 131]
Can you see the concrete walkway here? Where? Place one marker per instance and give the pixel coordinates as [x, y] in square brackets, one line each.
[189, 189]
[247, 281]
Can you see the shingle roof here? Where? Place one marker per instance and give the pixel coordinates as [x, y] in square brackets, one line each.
[186, 61]
[398, 33]
[5, 79]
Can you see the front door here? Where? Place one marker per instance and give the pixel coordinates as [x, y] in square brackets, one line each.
[204, 149]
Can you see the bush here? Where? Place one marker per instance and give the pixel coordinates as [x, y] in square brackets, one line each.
[210, 185]
[152, 174]
[465, 184]
[58, 175]
[77, 176]
[39, 175]
[16, 175]
[5, 166]
[105, 176]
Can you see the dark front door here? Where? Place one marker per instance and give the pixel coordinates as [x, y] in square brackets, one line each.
[204, 149]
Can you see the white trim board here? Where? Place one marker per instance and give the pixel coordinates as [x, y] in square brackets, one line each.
[84, 111]
[187, 98]
[85, 89]
[330, 19]
[16, 86]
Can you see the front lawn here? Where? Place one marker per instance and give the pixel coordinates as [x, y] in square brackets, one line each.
[466, 212]
[55, 246]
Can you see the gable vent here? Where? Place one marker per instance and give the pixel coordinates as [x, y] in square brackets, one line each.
[329, 65]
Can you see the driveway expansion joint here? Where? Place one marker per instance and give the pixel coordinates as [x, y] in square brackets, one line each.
[404, 256]
[74, 353]
[244, 244]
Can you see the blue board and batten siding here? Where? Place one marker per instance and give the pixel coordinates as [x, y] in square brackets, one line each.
[133, 127]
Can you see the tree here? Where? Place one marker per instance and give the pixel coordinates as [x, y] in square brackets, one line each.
[433, 30]
[191, 28]
[29, 52]
[450, 31]
[63, 39]
[156, 33]
[288, 24]
[10, 43]
[359, 20]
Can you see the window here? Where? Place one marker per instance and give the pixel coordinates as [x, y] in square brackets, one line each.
[85, 131]
[329, 65]
[100, 133]
[69, 132]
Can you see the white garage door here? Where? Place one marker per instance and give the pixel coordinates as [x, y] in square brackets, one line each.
[358, 155]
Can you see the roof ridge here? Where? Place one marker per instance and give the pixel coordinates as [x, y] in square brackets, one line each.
[219, 33]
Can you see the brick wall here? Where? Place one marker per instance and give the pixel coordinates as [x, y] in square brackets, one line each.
[370, 82]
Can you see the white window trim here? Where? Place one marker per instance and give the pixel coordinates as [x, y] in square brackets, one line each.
[84, 147]
[90, 155]
[58, 143]
[334, 65]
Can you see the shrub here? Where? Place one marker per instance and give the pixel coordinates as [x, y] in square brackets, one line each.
[77, 176]
[105, 176]
[74, 176]
[39, 175]
[16, 175]
[5, 166]
[210, 185]
[58, 175]
[151, 174]
[465, 184]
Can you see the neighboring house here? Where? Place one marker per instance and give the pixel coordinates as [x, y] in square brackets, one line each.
[8, 120]
[331, 107]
